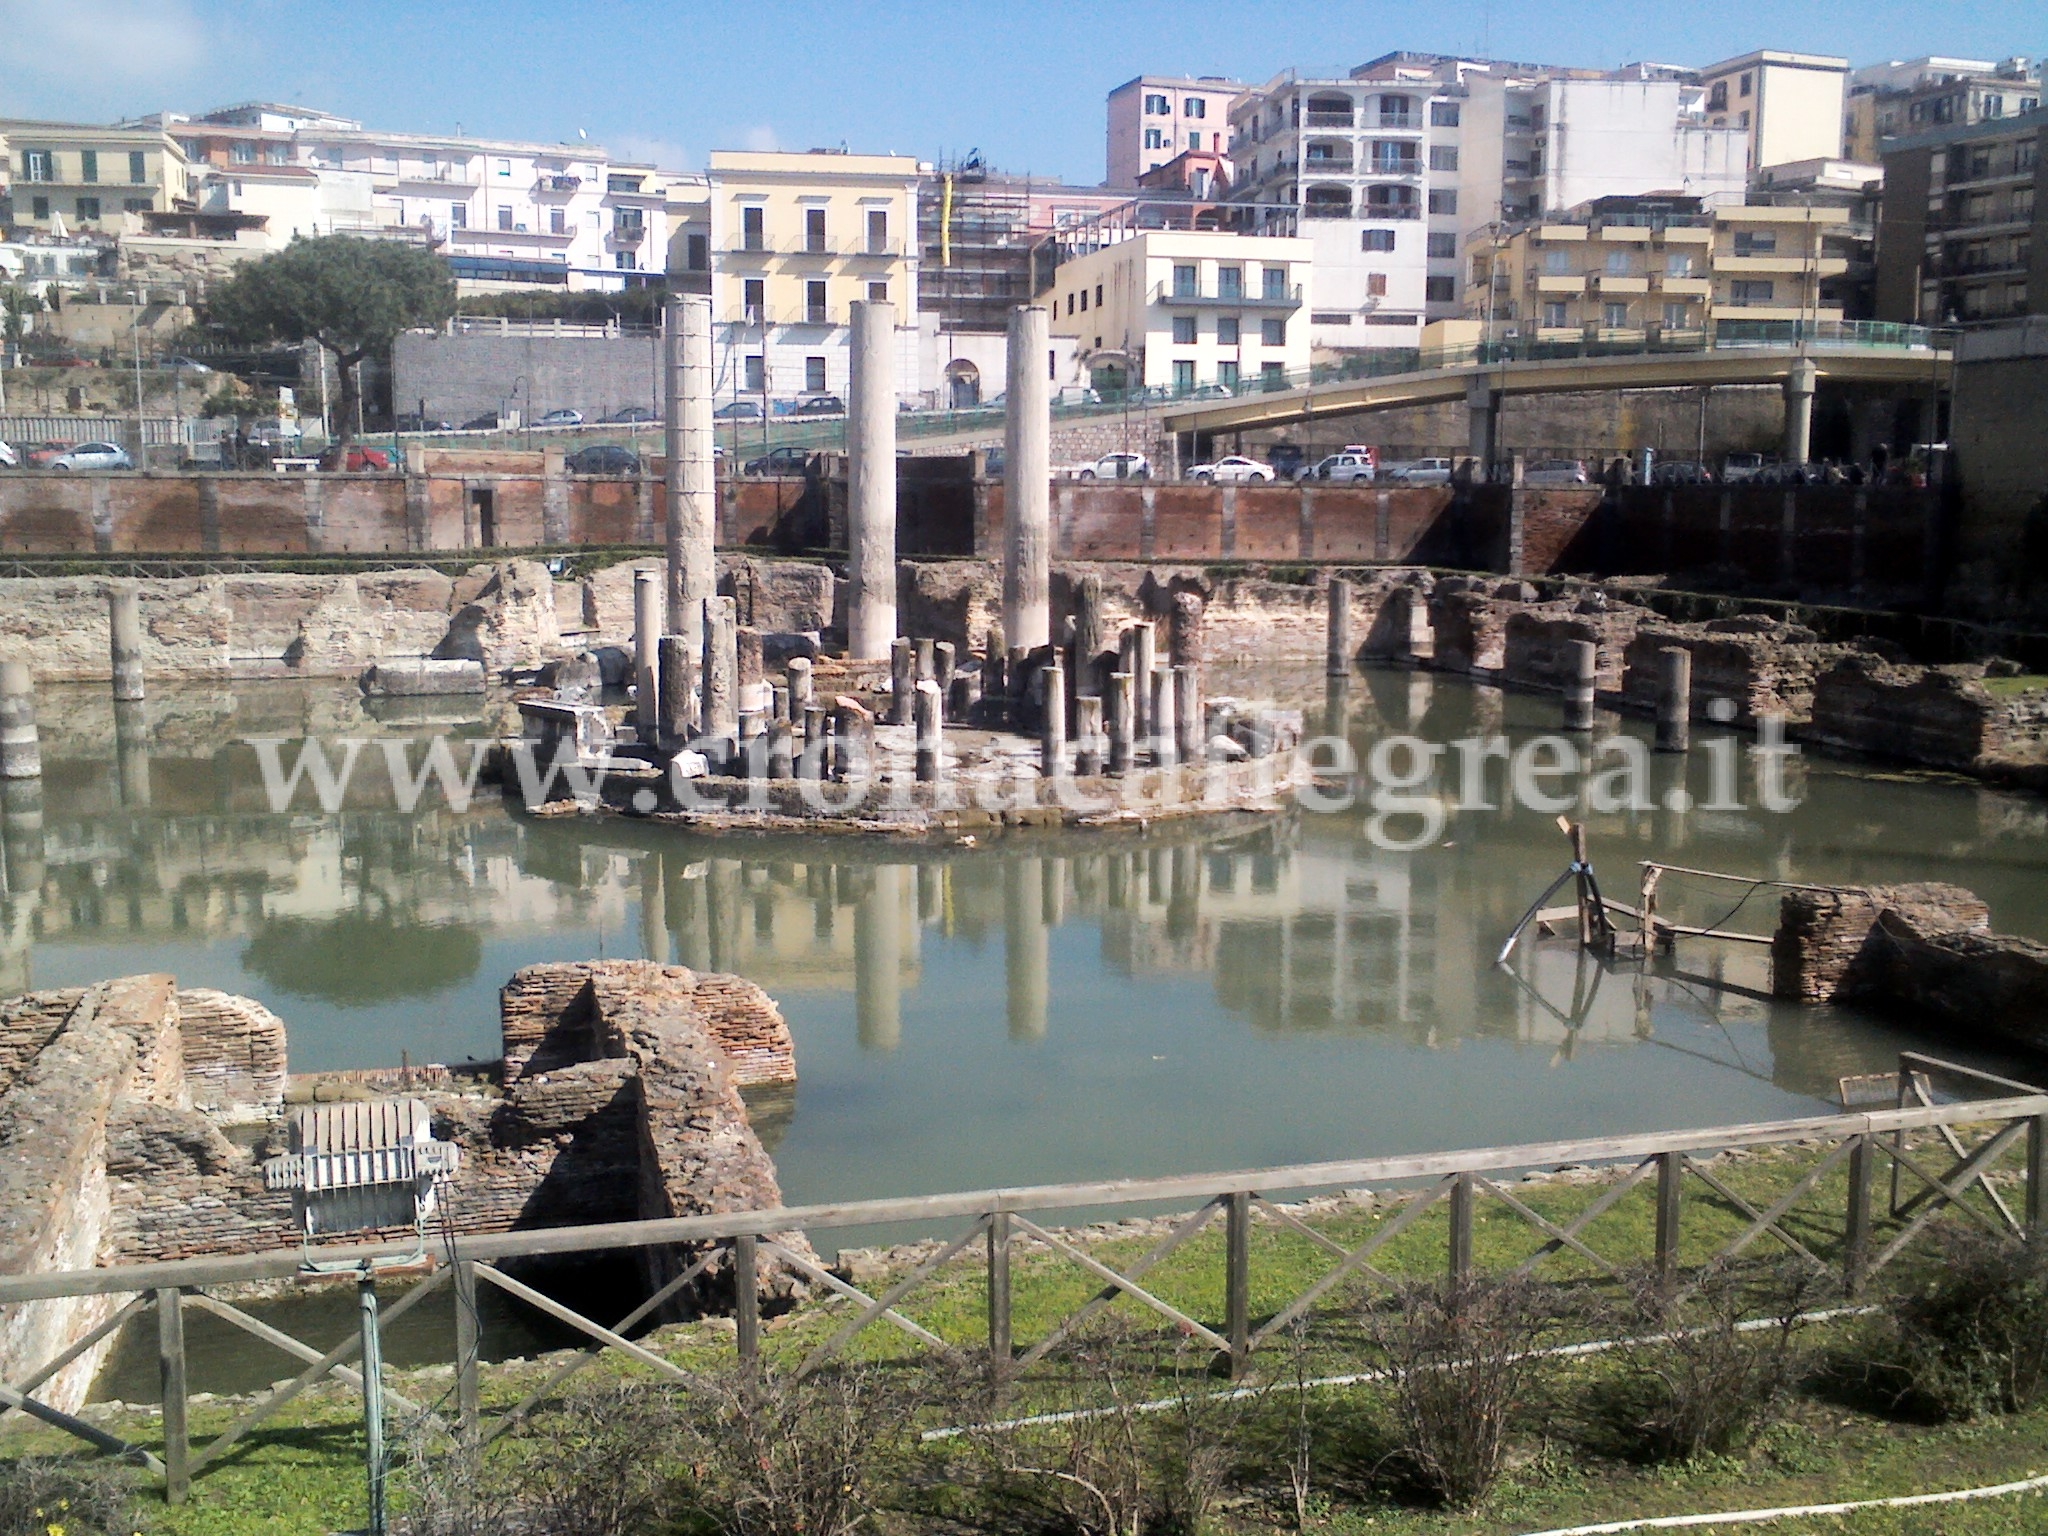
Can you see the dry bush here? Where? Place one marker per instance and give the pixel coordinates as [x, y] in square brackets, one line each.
[1201, 1437]
[601, 1462]
[1974, 1338]
[82, 1498]
[1093, 1470]
[1459, 1351]
[778, 1455]
[1712, 1364]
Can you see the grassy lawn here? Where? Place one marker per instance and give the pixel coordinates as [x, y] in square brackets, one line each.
[302, 1472]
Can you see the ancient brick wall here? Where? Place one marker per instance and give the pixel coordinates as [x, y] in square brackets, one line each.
[1828, 946]
[1761, 665]
[1942, 716]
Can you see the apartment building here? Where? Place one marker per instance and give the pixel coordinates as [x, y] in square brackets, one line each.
[1180, 309]
[1646, 268]
[73, 176]
[1858, 190]
[1156, 117]
[1788, 105]
[797, 238]
[977, 233]
[1963, 234]
[1909, 96]
[1396, 166]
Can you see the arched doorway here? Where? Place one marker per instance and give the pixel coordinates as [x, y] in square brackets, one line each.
[963, 385]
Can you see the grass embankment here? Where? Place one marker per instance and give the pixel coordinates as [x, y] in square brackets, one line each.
[302, 1473]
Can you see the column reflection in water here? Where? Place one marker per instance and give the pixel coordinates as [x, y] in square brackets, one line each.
[878, 959]
[722, 914]
[1027, 953]
[1421, 691]
[21, 839]
[1337, 705]
[131, 748]
[653, 899]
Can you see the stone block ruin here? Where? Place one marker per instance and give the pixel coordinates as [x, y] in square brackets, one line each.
[1846, 696]
[1920, 952]
[134, 1117]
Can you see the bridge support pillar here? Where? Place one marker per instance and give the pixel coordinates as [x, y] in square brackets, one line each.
[1482, 410]
[1799, 387]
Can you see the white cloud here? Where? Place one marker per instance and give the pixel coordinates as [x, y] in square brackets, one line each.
[134, 41]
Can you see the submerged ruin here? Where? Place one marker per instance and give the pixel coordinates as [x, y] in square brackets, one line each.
[135, 1116]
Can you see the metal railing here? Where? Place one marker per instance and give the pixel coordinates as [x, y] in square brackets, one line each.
[1818, 1206]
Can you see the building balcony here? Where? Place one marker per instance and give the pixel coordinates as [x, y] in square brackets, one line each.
[1688, 234]
[1377, 212]
[1728, 309]
[1406, 122]
[421, 176]
[1181, 298]
[628, 234]
[1393, 167]
[1328, 165]
[1327, 120]
[1617, 282]
[1561, 232]
[1560, 282]
[557, 186]
[1686, 287]
[1790, 264]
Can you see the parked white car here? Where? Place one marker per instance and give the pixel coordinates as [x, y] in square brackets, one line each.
[9, 459]
[1420, 472]
[1556, 472]
[1353, 464]
[94, 456]
[1234, 470]
[1116, 466]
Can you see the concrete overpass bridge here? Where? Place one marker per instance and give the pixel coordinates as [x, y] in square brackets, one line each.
[1903, 359]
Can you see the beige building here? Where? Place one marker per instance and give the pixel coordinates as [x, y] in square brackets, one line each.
[82, 176]
[796, 238]
[1790, 104]
[1634, 269]
[1181, 310]
[1927, 95]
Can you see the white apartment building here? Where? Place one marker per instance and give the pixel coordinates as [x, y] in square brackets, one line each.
[1156, 117]
[1788, 105]
[1181, 309]
[1398, 166]
[506, 213]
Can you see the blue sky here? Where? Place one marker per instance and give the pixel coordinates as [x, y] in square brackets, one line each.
[1022, 81]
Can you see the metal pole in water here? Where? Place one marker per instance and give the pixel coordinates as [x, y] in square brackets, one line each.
[373, 1400]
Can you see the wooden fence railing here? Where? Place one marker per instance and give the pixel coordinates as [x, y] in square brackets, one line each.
[1936, 1167]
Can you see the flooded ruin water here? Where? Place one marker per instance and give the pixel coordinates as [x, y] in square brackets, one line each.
[1030, 1011]
[1027, 1011]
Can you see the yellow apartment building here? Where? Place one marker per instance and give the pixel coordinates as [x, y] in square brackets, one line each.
[87, 176]
[1628, 269]
[796, 238]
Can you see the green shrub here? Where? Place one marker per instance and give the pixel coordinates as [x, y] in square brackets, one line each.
[1974, 1337]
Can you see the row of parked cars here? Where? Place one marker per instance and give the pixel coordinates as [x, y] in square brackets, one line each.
[66, 456]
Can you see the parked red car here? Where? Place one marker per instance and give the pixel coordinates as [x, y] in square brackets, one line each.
[359, 461]
[40, 456]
